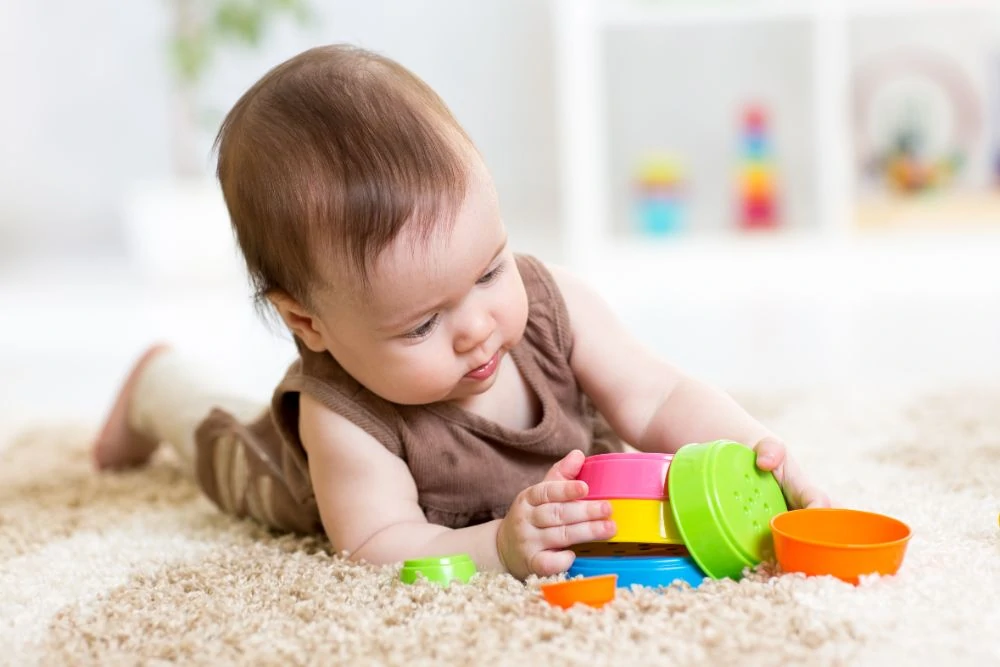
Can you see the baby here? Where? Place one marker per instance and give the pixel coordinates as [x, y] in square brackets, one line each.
[446, 389]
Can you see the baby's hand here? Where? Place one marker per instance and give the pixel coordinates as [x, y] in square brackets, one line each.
[799, 492]
[547, 518]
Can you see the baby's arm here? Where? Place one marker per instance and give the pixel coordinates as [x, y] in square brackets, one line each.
[654, 406]
[368, 500]
[368, 503]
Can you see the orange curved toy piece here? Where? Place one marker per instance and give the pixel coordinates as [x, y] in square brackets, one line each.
[593, 591]
[840, 542]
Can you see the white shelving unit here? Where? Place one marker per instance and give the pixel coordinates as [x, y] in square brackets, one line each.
[590, 244]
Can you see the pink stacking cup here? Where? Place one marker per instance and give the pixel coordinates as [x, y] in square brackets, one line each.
[629, 475]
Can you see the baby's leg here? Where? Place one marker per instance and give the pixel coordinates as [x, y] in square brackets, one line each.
[163, 399]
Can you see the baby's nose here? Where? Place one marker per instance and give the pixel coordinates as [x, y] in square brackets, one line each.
[476, 330]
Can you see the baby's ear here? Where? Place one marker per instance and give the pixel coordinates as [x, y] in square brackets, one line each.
[299, 319]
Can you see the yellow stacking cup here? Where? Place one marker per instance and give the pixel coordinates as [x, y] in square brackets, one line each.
[645, 521]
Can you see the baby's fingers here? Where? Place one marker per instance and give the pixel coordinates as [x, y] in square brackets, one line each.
[770, 454]
[556, 492]
[814, 498]
[566, 468]
[547, 563]
[560, 537]
[550, 515]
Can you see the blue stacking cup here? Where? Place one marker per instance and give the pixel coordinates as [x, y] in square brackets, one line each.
[652, 571]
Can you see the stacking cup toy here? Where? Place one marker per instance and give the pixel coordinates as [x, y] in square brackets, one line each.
[643, 521]
[723, 505]
[593, 591]
[709, 510]
[636, 564]
[646, 549]
[629, 475]
[840, 542]
[634, 484]
[709, 498]
[443, 570]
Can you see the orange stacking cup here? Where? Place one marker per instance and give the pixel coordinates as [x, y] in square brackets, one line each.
[594, 591]
[840, 542]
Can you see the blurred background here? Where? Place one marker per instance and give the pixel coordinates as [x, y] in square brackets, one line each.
[775, 195]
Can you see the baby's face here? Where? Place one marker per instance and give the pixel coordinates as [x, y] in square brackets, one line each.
[440, 315]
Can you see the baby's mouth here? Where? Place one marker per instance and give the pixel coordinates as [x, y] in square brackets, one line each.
[486, 370]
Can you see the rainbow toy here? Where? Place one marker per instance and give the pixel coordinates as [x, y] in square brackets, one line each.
[756, 181]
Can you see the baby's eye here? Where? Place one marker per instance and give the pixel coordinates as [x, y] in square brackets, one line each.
[424, 329]
[491, 276]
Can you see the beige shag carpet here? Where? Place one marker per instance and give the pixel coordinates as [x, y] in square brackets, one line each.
[137, 568]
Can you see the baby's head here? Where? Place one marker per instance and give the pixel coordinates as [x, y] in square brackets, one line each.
[369, 221]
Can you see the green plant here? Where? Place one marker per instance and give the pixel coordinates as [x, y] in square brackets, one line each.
[201, 30]
[203, 27]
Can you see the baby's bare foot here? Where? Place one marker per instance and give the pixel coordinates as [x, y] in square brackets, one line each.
[118, 445]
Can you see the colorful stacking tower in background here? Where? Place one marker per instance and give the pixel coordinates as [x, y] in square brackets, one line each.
[659, 205]
[757, 197]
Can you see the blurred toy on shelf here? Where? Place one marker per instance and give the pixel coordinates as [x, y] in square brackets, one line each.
[918, 117]
[660, 195]
[906, 168]
[994, 120]
[755, 178]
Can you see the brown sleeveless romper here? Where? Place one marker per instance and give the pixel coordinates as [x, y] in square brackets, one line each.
[467, 469]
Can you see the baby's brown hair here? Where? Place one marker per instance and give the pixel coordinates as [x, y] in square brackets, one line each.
[331, 153]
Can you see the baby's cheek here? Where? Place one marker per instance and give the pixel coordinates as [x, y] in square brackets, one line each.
[427, 373]
[519, 321]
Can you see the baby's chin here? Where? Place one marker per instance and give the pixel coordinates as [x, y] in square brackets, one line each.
[460, 389]
[429, 396]
[464, 392]
[457, 394]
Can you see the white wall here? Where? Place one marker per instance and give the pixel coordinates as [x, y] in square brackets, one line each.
[84, 100]
[82, 103]
[84, 97]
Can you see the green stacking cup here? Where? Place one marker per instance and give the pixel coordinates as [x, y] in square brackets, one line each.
[443, 570]
[723, 505]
